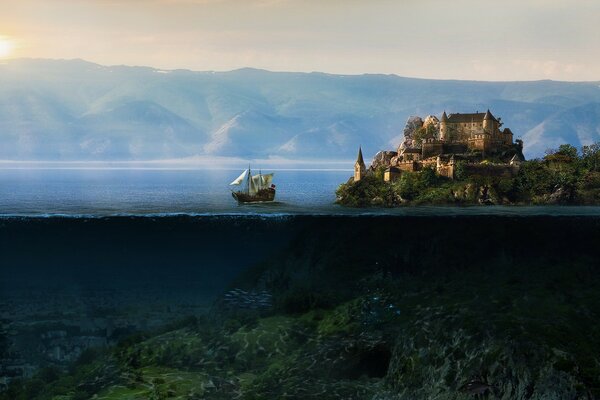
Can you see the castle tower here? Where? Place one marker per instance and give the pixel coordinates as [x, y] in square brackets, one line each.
[444, 127]
[359, 167]
[451, 167]
[488, 122]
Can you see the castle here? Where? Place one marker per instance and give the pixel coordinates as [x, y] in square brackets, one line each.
[459, 133]
[441, 143]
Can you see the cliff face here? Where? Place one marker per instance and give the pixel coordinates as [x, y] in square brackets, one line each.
[382, 159]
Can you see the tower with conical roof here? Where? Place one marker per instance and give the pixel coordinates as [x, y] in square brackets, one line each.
[359, 167]
[488, 122]
[444, 127]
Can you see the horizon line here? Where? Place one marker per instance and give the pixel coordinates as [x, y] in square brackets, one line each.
[5, 61]
[217, 162]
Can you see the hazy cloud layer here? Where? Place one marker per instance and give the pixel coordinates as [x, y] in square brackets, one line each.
[466, 39]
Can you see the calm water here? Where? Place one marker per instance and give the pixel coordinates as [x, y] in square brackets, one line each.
[143, 191]
[102, 192]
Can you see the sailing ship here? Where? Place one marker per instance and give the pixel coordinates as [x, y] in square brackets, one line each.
[257, 188]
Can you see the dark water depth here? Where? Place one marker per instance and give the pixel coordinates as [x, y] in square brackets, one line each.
[507, 283]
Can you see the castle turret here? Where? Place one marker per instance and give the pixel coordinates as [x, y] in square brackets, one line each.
[488, 122]
[444, 127]
[359, 167]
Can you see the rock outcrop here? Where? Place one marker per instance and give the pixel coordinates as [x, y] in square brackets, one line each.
[412, 125]
[560, 195]
[382, 159]
[432, 120]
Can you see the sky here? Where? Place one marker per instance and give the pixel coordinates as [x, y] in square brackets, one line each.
[461, 39]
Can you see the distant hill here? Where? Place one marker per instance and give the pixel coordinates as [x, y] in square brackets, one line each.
[76, 110]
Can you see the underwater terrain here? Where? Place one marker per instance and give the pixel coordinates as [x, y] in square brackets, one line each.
[300, 307]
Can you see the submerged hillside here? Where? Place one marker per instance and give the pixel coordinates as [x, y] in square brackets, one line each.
[75, 110]
[376, 308]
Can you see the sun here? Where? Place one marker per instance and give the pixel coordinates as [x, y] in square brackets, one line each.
[6, 47]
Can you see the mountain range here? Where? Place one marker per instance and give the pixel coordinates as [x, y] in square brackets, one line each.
[63, 110]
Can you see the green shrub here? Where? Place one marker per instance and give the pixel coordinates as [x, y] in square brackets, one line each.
[577, 173]
[437, 195]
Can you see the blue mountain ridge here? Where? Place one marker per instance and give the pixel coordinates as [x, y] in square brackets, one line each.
[76, 110]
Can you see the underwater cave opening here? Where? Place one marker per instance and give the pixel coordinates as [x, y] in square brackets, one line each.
[373, 363]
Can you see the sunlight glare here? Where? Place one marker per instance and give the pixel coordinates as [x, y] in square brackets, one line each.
[6, 47]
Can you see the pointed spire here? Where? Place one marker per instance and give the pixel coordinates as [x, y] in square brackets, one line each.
[488, 115]
[360, 160]
[444, 117]
[359, 166]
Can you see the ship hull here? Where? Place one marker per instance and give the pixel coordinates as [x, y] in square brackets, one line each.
[261, 196]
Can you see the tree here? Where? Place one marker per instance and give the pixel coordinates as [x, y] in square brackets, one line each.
[424, 132]
[408, 185]
[591, 156]
[428, 177]
[567, 150]
[565, 153]
[460, 172]
[379, 173]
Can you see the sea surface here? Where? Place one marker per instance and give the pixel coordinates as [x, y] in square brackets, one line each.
[100, 192]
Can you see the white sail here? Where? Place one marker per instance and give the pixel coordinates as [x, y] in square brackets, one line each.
[253, 185]
[257, 182]
[262, 181]
[240, 178]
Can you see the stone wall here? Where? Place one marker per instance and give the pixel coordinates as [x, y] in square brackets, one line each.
[432, 148]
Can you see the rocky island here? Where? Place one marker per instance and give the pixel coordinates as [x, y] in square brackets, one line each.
[468, 159]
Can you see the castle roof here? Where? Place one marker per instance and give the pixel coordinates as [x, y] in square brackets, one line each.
[470, 117]
[445, 116]
[411, 150]
[517, 157]
[359, 159]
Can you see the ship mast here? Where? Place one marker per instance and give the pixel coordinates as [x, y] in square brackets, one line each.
[249, 177]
